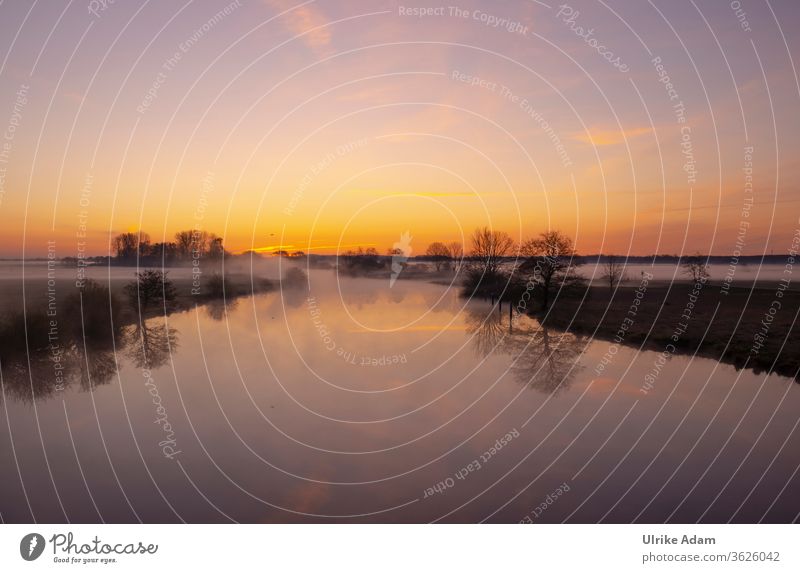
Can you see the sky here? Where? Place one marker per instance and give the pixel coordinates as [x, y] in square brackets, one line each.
[635, 127]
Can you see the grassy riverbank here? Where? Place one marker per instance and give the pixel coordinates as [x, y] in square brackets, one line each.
[725, 327]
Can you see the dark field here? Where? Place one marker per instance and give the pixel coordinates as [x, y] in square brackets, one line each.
[720, 326]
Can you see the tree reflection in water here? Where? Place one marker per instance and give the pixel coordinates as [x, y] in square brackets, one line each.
[40, 359]
[31, 366]
[43, 371]
[542, 358]
[218, 309]
[149, 344]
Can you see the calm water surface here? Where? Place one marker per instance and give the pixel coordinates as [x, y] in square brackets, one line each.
[360, 402]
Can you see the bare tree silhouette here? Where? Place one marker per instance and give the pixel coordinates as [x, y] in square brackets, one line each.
[696, 268]
[485, 276]
[489, 248]
[456, 253]
[550, 259]
[613, 271]
[439, 254]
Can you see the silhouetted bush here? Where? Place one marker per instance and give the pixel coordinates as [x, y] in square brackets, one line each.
[90, 313]
[23, 332]
[215, 286]
[362, 261]
[151, 288]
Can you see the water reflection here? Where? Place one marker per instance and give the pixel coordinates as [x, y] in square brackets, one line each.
[45, 371]
[294, 288]
[219, 309]
[150, 343]
[77, 344]
[40, 372]
[274, 425]
[539, 357]
[542, 358]
[549, 362]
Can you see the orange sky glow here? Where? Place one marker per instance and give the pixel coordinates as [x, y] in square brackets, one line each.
[323, 126]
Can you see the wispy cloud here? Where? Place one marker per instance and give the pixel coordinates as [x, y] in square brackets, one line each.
[308, 22]
[273, 249]
[382, 192]
[610, 136]
[373, 94]
[74, 96]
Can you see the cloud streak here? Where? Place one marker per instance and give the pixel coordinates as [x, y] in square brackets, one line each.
[601, 137]
[307, 22]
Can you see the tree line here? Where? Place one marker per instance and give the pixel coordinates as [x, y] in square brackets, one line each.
[188, 246]
[497, 267]
[493, 265]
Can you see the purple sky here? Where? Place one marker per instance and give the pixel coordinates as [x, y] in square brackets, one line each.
[327, 124]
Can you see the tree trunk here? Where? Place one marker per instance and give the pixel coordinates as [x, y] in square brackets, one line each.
[546, 295]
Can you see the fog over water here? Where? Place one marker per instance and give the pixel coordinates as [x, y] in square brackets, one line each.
[272, 267]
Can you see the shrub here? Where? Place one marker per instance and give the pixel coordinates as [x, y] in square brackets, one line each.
[151, 288]
[90, 313]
